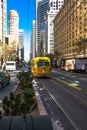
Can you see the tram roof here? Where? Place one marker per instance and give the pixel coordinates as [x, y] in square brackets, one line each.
[41, 58]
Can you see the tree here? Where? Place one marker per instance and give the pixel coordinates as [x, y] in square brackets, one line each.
[1, 45]
[13, 51]
[6, 51]
[51, 56]
[81, 46]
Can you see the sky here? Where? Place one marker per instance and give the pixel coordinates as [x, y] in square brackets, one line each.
[26, 11]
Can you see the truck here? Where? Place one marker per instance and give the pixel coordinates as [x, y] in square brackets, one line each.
[11, 65]
[76, 65]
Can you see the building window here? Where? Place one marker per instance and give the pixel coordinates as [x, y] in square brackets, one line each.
[2, 6]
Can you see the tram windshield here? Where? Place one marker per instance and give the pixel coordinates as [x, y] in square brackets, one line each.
[43, 64]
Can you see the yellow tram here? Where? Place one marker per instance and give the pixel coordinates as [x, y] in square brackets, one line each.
[41, 67]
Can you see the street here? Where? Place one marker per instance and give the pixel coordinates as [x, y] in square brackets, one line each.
[69, 93]
[5, 91]
[64, 96]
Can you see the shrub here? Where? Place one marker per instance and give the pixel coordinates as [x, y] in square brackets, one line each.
[17, 104]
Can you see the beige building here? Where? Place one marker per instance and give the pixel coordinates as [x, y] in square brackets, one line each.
[13, 32]
[70, 26]
[13, 27]
[12, 40]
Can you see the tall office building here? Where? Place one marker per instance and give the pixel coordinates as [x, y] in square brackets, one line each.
[13, 23]
[33, 40]
[41, 10]
[43, 39]
[54, 8]
[37, 3]
[21, 41]
[13, 27]
[3, 6]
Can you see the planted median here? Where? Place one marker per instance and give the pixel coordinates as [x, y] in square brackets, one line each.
[23, 100]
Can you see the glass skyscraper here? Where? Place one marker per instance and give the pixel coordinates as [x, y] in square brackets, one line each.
[41, 10]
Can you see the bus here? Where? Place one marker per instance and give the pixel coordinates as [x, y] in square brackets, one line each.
[11, 65]
[41, 67]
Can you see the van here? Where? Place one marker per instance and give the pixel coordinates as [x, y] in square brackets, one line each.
[10, 65]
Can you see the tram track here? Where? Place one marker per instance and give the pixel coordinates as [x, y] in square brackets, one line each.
[45, 82]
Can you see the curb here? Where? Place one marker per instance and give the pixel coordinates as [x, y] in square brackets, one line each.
[15, 87]
[41, 107]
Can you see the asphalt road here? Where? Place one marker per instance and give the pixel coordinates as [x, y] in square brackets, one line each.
[5, 91]
[64, 96]
[69, 92]
[8, 88]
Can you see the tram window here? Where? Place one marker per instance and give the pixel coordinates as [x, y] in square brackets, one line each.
[43, 63]
[40, 63]
[46, 63]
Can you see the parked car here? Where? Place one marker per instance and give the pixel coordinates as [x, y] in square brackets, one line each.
[62, 68]
[4, 78]
[29, 68]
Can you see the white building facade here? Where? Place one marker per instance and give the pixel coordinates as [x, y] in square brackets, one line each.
[21, 43]
[54, 7]
[33, 40]
[3, 6]
[3, 12]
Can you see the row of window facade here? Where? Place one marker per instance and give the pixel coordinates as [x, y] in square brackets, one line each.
[70, 25]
